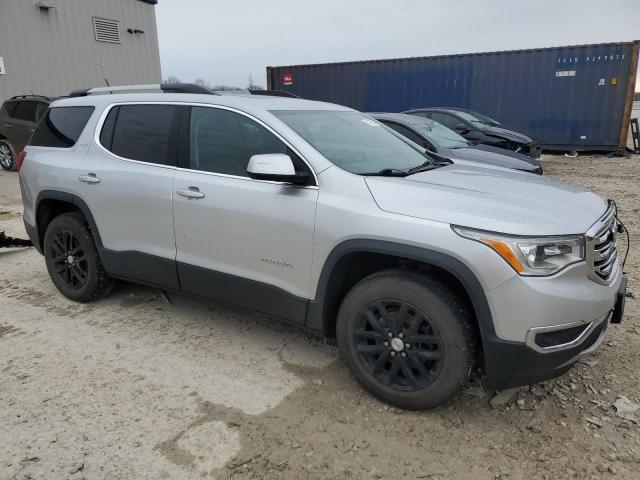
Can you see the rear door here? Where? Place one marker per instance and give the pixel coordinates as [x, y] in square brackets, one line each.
[241, 240]
[126, 180]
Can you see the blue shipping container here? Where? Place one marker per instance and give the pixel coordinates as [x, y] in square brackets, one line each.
[567, 98]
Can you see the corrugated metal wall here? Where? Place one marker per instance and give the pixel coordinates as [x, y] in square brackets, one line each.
[567, 97]
[53, 52]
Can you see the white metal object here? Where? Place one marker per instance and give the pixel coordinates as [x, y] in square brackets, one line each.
[125, 88]
[3, 71]
[275, 164]
[106, 30]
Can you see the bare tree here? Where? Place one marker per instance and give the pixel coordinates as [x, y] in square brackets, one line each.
[172, 79]
[202, 83]
[252, 86]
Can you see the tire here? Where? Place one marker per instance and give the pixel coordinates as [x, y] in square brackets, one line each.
[399, 307]
[72, 259]
[7, 156]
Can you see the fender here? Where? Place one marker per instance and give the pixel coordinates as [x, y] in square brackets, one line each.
[316, 313]
[74, 200]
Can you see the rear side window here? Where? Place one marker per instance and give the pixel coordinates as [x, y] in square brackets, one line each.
[141, 132]
[9, 107]
[61, 127]
[25, 111]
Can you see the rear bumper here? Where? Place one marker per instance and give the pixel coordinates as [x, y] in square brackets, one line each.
[512, 364]
[32, 232]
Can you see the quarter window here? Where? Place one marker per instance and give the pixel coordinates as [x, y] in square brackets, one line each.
[221, 141]
[141, 132]
[61, 127]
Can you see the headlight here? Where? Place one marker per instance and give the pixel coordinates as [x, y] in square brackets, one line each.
[536, 256]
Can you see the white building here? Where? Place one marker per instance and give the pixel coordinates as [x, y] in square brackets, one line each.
[50, 47]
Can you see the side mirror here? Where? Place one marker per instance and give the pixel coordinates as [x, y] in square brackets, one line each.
[461, 128]
[276, 167]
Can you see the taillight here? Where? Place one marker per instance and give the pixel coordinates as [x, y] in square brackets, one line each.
[21, 158]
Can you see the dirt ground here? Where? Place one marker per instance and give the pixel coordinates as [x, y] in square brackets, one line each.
[143, 386]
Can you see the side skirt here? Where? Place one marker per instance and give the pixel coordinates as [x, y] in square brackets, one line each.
[244, 292]
[180, 277]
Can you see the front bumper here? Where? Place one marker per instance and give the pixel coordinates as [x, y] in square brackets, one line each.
[510, 364]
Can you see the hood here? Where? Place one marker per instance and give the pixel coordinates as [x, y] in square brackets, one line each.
[493, 156]
[506, 134]
[491, 199]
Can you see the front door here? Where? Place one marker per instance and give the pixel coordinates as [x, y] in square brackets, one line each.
[241, 240]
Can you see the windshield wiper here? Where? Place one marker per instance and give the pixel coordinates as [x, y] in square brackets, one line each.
[388, 172]
[430, 164]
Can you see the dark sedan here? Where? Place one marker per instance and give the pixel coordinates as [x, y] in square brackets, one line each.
[479, 128]
[437, 138]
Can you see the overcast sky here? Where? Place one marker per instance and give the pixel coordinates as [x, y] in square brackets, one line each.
[225, 42]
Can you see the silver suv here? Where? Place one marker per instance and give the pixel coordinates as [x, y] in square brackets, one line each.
[423, 271]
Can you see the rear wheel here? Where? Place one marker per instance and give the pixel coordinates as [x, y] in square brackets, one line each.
[407, 339]
[7, 156]
[72, 259]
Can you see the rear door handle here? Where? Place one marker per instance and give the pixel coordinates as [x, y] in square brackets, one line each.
[191, 192]
[89, 178]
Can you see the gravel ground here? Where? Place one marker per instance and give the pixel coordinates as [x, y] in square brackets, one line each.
[144, 386]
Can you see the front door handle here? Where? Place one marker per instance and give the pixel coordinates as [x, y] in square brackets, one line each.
[191, 192]
[89, 178]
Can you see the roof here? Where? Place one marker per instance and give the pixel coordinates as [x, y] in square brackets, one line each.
[439, 109]
[241, 102]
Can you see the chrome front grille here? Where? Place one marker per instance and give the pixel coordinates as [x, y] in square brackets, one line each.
[602, 253]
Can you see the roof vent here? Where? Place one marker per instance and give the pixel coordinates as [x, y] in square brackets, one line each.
[106, 30]
[45, 5]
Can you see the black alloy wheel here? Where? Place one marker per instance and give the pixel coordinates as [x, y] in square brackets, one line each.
[72, 259]
[398, 345]
[407, 338]
[69, 260]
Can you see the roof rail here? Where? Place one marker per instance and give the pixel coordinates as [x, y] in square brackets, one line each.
[274, 93]
[164, 87]
[30, 96]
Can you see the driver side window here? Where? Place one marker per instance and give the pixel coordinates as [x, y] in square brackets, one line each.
[221, 141]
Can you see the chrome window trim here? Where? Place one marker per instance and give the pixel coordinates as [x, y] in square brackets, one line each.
[532, 332]
[109, 107]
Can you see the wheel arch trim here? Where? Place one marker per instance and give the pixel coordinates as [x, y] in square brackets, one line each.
[316, 313]
[73, 200]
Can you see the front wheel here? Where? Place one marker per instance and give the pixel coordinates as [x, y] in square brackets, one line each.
[406, 338]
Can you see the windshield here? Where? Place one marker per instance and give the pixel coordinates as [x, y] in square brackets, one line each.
[439, 134]
[353, 141]
[476, 117]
